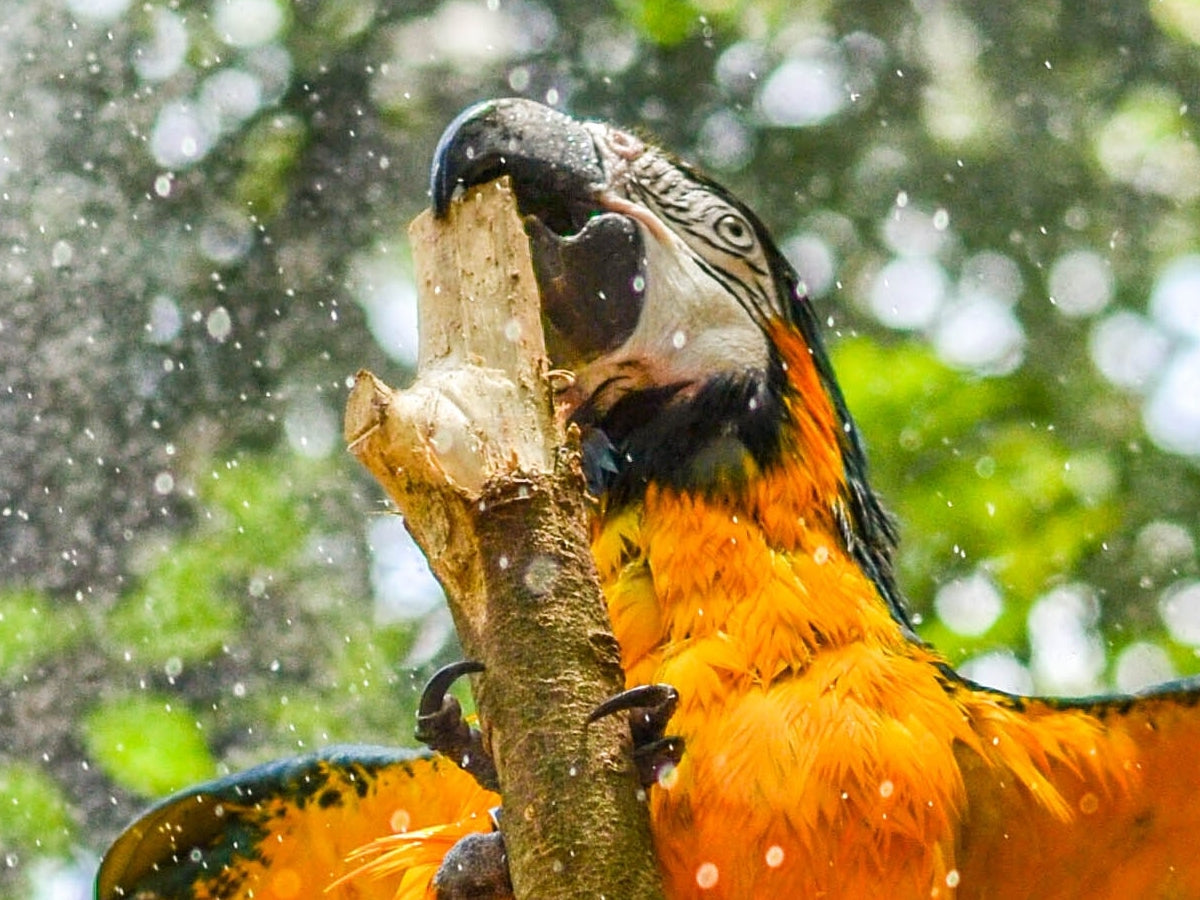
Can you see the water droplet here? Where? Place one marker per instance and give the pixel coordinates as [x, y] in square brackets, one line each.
[886, 788]
[164, 483]
[639, 284]
[707, 876]
[985, 467]
[173, 667]
[775, 856]
[248, 23]
[952, 878]
[1089, 803]
[399, 821]
[442, 440]
[518, 79]
[219, 324]
[678, 339]
[540, 574]
[821, 555]
[61, 254]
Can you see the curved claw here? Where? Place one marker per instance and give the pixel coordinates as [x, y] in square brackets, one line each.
[645, 696]
[442, 728]
[650, 707]
[434, 695]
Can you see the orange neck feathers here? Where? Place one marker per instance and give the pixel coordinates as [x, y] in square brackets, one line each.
[810, 714]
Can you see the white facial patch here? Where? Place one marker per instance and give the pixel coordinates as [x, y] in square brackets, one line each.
[708, 289]
[690, 329]
[689, 321]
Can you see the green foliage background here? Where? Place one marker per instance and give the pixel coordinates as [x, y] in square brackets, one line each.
[184, 563]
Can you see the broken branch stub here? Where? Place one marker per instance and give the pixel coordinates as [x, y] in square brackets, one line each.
[491, 490]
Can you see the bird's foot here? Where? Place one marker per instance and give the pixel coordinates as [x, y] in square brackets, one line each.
[475, 868]
[650, 707]
[442, 728]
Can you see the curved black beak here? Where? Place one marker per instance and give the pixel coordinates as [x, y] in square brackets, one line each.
[551, 158]
[588, 261]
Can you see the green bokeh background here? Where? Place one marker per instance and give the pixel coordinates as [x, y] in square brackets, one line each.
[185, 569]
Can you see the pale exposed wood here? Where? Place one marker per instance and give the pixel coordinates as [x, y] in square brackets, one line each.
[491, 490]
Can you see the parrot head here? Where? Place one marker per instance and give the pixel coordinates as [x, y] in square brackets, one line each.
[697, 360]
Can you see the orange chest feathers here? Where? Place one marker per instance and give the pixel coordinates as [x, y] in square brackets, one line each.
[804, 756]
[827, 754]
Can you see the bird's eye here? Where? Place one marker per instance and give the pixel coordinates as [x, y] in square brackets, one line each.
[735, 231]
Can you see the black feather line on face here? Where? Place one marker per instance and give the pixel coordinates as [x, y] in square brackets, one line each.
[700, 444]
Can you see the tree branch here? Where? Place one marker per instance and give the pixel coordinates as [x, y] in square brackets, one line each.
[491, 490]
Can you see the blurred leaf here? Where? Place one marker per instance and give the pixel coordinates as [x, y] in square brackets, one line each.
[34, 814]
[147, 743]
[369, 671]
[301, 719]
[180, 609]
[1179, 18]
[1147, 142]
[189, 605]
[338, 21]
[270, 153]
[665, 22]
[31, 628]
[1006, 496]
[901, 394]
[365, 688]
[266, 519]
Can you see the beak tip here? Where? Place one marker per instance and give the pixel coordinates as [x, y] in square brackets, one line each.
[450, 153]
[515, 136]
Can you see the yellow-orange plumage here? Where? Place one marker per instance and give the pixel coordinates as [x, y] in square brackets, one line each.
[285, 831]
[828, 753]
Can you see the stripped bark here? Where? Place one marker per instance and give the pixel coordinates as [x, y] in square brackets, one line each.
[491, 489]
